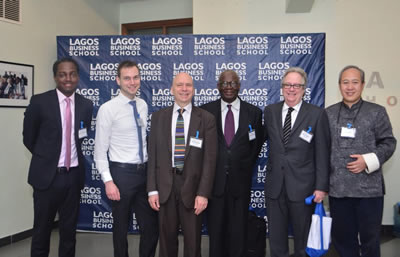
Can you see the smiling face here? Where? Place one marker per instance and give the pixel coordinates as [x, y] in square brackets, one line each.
[229, 86]
[291, 94]
[129, 81]
[351, 86]
[182, 89]
[66, 78]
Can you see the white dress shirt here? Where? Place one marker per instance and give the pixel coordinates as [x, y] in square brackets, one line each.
[186, 120]
[235, 110]
[294, 113]
[63, 106]
[116, 134]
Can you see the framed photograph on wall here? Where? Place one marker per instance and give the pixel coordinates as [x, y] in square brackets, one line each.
[16, 84]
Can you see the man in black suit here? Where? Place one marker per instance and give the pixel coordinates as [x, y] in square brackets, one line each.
[239, 128]
[298, 163]
[55, 124]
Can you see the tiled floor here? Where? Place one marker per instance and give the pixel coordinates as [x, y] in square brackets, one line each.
[100, 245]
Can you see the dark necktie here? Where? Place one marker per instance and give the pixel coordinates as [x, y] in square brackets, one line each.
[179, 152]
[229, 126]
[68, 128]
[136, 117]
[287, 126]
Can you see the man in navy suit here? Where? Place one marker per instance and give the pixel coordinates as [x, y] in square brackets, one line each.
[298, 163]
[238, 148]
[55, 124]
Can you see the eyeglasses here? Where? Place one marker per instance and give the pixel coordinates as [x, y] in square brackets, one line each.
[231, 83]
[295, 86]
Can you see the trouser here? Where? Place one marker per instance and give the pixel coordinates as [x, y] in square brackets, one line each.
[63, 197]
[356, 225]
[131, 182]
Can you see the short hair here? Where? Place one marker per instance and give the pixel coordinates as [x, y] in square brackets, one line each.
[362, 73]
[234, 75]
[62, 60]
[298, 70]
[126, 64]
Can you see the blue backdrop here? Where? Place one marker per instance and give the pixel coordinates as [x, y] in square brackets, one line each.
[260, 60]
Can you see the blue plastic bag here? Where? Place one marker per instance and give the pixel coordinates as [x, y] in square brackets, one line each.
[320, 231]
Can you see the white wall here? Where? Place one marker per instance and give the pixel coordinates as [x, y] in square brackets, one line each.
[361, 32]
[34, 42]
[154, 10]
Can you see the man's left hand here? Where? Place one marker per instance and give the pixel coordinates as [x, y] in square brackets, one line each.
[358, 165]
[200, 204]
[319, 196]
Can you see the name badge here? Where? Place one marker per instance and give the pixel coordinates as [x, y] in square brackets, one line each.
[306, 136]
[82, 133]
[252, 135]
[196, 142]
[348, 132]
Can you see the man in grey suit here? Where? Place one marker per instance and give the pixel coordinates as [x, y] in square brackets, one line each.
[182, 159]
[298, 163]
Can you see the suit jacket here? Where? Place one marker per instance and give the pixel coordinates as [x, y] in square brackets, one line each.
[42, 135]
[239, 158]
[199, 164]
[302, 166]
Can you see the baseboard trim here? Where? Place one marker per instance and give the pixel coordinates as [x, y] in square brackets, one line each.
[19, 236]
[15, 238]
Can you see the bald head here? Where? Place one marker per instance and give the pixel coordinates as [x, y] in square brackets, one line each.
[182, 89]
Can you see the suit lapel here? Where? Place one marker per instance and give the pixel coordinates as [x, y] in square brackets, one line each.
[279, 120]
[55, 106]
[167, 126]
[243, 121]
[195, 120]
[218, 116]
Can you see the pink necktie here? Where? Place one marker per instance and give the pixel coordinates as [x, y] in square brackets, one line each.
[68, 125]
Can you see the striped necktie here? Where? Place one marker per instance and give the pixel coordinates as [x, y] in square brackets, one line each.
[179, 153]
[287, 126]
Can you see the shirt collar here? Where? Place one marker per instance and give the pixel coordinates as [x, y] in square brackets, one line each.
[188, 108]
[235, 104]
[125, 99]
[354, 106]
[61, 96]
[296, 107]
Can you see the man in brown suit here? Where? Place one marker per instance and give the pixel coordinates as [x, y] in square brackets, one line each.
[182, 159]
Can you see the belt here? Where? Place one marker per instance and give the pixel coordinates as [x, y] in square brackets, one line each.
[64, 169]
[122, 165]
[177, 171]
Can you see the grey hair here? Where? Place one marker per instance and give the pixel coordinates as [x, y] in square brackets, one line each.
[362, 73]
[298, 70]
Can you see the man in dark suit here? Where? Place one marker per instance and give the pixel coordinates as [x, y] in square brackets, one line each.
[182, 158]
[55, 124]
[240, 137]
[298, 163]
